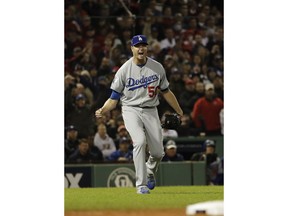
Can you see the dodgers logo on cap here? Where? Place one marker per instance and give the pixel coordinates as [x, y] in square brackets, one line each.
[137, 39]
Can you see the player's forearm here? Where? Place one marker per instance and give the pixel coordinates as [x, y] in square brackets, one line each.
[172, 101]
[109, 105]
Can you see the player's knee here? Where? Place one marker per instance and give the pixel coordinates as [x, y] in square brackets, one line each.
[157, 155]
[139, 143]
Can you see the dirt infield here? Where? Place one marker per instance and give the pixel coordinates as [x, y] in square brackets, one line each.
[156, 212]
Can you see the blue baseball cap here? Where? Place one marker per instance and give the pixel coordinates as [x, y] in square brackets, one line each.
[137, 39]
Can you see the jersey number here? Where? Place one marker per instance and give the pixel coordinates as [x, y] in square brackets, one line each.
[152, 90]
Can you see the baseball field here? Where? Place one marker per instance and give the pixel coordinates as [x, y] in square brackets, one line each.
[168, 201]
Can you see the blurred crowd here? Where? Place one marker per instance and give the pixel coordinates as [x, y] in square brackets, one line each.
[186, 36]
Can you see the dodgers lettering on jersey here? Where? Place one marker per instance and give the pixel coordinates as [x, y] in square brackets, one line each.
[138, 85]
[143, 82]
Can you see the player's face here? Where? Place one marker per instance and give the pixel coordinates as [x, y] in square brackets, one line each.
[139, 52]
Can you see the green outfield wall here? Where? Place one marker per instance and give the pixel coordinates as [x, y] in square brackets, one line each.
[123, 175]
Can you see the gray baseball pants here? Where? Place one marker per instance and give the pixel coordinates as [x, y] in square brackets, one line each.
[144, 127]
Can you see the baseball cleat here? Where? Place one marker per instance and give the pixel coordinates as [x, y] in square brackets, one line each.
[143, 190]
[151, 183]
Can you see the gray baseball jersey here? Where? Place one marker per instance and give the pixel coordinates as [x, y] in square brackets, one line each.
[138, 88]
[138, 85]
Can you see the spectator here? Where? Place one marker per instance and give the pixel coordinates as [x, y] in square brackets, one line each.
[105, 66]
[81, 117]
[121, 133]
[76, 57]
[168, 20]
[86, 81]
[211, 74]
[155, 7]
[91, 7]
[79, 89]
[178, 24]
[204, 55]
[186, 67]
[104, 142]
[69, 82]
[89, 36]
[186, 96]
[176, 83]
[217, 39]
[123, 153]
[206, 111]
[195, 76]
[72, 39]
[207, 155]
[197, 44]
[219, 86]
[197, 61]
[171, 152]
[125, 35]
[94, 149]
[210, 24]
[169, 41]
[190, 32]
[168, 64]
[186, 127]
[201, 24]
[83, 154]
[199, 92]
[85, 23]
[104, 91]
[217, 172]
[88, 60]
[94, 82]
[208, 149]
[71, 141]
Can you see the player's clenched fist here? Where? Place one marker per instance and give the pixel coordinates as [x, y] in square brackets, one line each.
[98, 113]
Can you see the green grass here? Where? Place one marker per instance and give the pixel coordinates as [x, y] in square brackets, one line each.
[126, 198]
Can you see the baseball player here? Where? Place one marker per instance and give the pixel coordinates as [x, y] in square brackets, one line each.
[137, 84]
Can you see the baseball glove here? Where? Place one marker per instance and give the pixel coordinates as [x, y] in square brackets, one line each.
[171, 121]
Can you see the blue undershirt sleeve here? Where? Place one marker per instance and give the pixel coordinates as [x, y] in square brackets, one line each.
[115, 95]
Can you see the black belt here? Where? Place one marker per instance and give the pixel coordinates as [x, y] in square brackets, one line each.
[145, 107]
